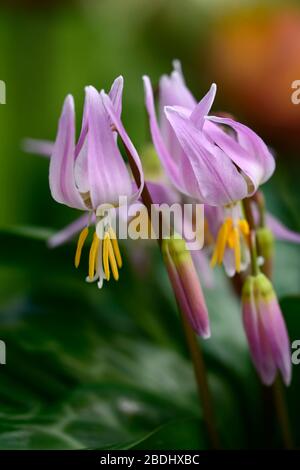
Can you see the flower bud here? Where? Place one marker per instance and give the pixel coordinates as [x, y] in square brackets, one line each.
[265, 240]
[266, 330]
[186, 285]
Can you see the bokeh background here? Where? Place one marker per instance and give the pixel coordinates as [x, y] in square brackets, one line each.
[110, 369]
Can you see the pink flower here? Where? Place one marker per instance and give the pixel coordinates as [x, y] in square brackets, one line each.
[91, 174]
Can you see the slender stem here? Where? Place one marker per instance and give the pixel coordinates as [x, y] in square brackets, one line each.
[259, 198]
[282, 413]
[252, 237]
[204, 394]
[248, 213]
[202, 384]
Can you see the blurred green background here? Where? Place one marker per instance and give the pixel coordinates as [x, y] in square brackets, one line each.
[109, 369]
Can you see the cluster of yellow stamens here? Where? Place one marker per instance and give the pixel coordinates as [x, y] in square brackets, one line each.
[230, 235]
[111, 256]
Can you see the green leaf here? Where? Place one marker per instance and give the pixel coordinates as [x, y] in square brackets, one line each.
[106, 369]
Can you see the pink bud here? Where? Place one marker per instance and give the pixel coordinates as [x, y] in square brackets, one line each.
[186, 285]
[266, 330]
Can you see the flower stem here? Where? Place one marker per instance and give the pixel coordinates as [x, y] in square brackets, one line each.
[282, 414]
[204, 394]
[202, 384]
[252, 237]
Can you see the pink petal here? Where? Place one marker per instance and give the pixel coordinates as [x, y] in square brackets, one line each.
[172, 166]
[249, 153]
[61, 172]
[277, 334]
[39, 147]
[69, 231]
[257, 340]
[162, 193]
[128, 144]
[108, 174]
[219, 182]
[203, 107]
[189, 296]
[280, 231]
[116, 93]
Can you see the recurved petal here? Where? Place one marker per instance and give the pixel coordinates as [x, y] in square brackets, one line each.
[248, 152]
[280, 231]
[218, 180]
[39, 147]
[129, 146]
[64, 235]
[203, 107]
[107, 172]
[116, 93]
[61, 172]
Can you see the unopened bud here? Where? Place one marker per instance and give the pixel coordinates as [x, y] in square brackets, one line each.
[265, 329]
[186, 284]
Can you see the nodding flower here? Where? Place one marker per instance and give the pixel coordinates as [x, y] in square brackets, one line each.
[91, 176]
[215, 160]
[266, 330]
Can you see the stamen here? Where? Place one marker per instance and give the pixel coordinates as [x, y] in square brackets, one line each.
[112, 261]
[105, 256]
[231, 239]
[93, 256]
[229, 235]
[115, 246]
[237, 249]
[244, 227]
[80, 243]
[224, 237]
[215, 255]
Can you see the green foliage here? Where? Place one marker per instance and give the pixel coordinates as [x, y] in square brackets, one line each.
[109, 369]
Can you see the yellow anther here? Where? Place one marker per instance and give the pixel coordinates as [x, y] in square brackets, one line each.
[244, 227]
[115, 246]
[221, 242]
[112, 260]
[231, 239]
[229, 235]
[237, 249]
[93, 256]
[105, 256]
[223, 239]
[80, 243]
[215, 256]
